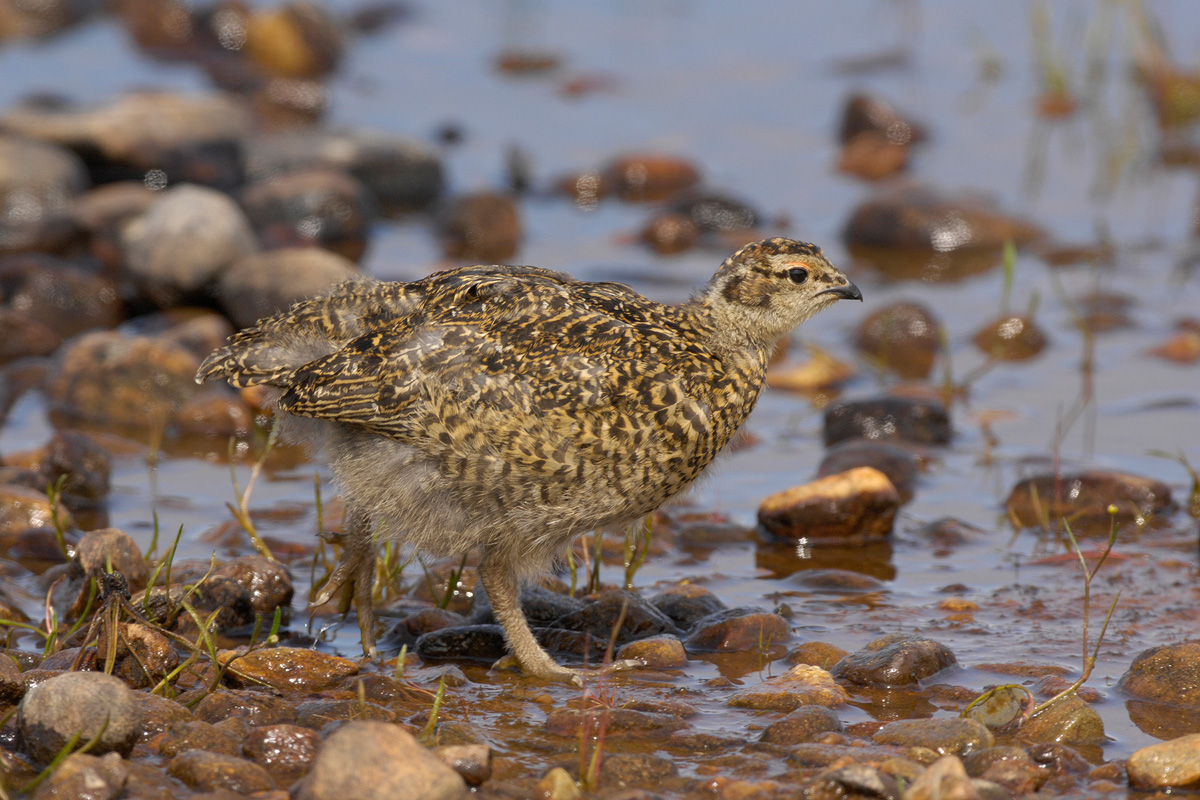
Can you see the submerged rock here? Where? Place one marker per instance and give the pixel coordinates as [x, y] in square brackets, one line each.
[1012, 337]
[903, 338]
[1084, 499]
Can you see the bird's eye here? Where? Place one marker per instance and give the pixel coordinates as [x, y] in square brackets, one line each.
[797, 275]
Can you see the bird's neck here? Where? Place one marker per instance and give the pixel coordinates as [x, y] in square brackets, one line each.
[733, 328]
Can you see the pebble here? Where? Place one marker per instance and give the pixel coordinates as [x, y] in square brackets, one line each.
[664, 651]
[599, 617]
[957, 736]
[557, 784]
[205, 771]
[143, 655]
[12, 688]
[863, 112]
[641, 178]
[943, 779]
[802, 725]
[262, 284]
[66, 295]
[296, 40]
[482, 228]
[1010, 767]
[899, 464]
[894, 660]
[376, 760]
[22, 508]
[267, 582]
[285, 751]
[818, 654]
[737, 630]
[1173, 765]
[483, 643]
[318, 713]
[37, 181]
[286, 669]
[619, 723]
[319, 207]
[857, 505]
[182, 244]
[903, 338]
[802, 685]
[223, 737]
[256, 707]
[853, 780]
[687, 603]
[78, 703]
[1011, 337]
[836, 581]
[670, 233]
[82, 776]
[213, 415]
[159, 713]
[622, 770]
[471, 761]
[810, 755]
[713, 212]
[1084, 498]
[99, 549]
[84, 468]
[1069, 721]
[919, 421]
[1166, 674]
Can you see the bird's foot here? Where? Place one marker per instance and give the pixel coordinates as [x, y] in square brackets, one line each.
[561, 674]
[354, 578]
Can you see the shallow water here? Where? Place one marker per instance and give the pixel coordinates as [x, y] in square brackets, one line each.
[752, 96]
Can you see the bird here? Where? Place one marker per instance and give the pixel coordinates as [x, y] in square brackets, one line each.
[510, 409]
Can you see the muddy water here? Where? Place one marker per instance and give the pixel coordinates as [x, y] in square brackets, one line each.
[752, 96]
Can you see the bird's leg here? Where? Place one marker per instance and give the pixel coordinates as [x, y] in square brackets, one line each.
[354, 576]
[500, 582]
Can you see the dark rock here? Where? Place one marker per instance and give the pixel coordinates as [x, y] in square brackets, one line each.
[540, 605]
[472, 761]
[483, 643]
[894, 660]
[212, 772]
[655, 652]
[483, 228]
[904, 338]
[82, 776]
[56, 293]
[858, 505]
[802, 725]
[159, 713]
[873, 156]
[887, 419]
[78, 703]
[182, 244]
[268, 583]
[285, 751]
[175, 137]
[374, 761]
[223, 737]
[322, 207]
[316, 714]
[900, 465]
[1010, 767]
[648, 177]
[12, 688]
[864, 112]
[713, 212]
[957, 736]
[257, 708]
[736, 630]
[132, 381]
[98, 549]
[1012, 337]
[261, 284]
[401, 174]
[37, 183]
[83, 467]
[687, 603]
[287, 669]
[853, 780]
[22, 336]
[1084, 498]
[599, 618]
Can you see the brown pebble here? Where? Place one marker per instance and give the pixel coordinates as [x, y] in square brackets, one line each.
[287, 669]
[1167, 765]
[285, 751]
[894, 660]
[1085, 498]
[903, 338]
[205, 771]
[737, 630]
[656, 652]
[482, 227]
[801, 725]
[1012, 337]
[670, 233]
[649, 177]
[802, 685]
[859, 504]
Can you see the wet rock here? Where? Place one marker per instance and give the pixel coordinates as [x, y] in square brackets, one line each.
[802, 685]
[941, 780]
[419, 623]
[316, 714]
[903, 338]
[214, 414]
[176, 137]
[1084, 499]
[211, 772]
[818, 654]
[851, 506]
[1010, 767]
[268, 582]
[287, 669]
[894, 660]
[229, 598]
[1167, 765]
[899, 464]
[369, 760]
[297, 40]
[143, 656]
[86, 777]
[58, 294]
[101, 213]
[472, 761]
[97, 549]
[836, 581]
[911, 231]
[84, 468]
[35, 548]
[886, 419]
[12, 688]
[647, 177]
[257, 708]
[713, 212]
[802, 725]
[619, 723]
[224, 737]
[810, 755]
[285, 751]
[483, 228]
[670, 233]
[37, 184]
[323, 207]
[945, 736]
[853, 780]
[656, 652]
[621, 770]
[483, 643]
[131, 381]
[159, 713]
[401, 174]
[872, 155]
[21, 336]
[1167, 674]
[949, 532]
[1069, 721]
[181, 245]
[864, 112]
[78, 703]
[262, 284]
[599, 617]
[1012, 337]
[687, 603]
[557, 784]
[736, 630]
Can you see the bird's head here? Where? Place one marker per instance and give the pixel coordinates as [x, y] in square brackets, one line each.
[767, 288]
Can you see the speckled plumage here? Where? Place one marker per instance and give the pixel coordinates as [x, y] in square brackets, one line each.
[513, 408]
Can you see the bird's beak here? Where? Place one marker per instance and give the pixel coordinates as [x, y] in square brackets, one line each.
[847, 292]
